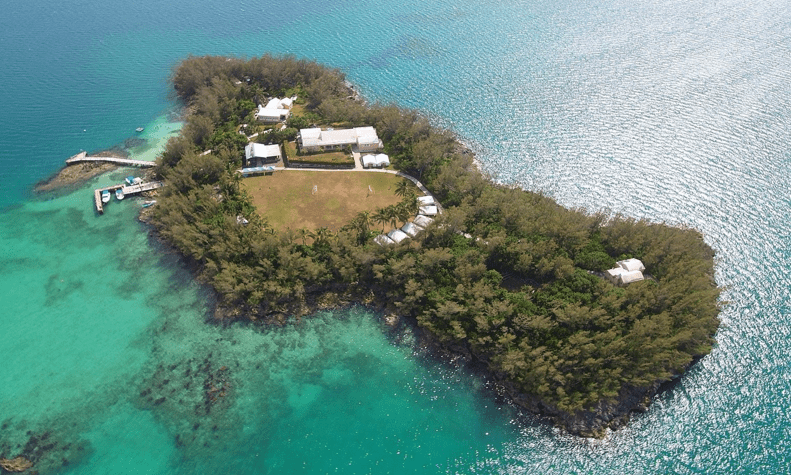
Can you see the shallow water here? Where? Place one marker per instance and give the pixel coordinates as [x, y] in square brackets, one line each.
[673, 111]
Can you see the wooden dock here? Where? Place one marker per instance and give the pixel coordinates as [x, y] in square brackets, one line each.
[127, 190]
[83, 157]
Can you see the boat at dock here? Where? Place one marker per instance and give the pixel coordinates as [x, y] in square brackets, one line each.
[133, 180]
[119, 194]
[105, 196]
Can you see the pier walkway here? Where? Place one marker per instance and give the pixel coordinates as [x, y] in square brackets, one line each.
[83, 157]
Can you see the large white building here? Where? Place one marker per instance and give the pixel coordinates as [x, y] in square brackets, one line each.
[276, 110]
[317, 140]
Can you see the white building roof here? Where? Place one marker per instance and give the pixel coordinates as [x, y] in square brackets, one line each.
[368, 161]
[383, 240]
[429, 210]
[411, 228]
[258, 150]
[382, 159]
[630, 276]
[315, 137]
[425, 200]
[632, 264]
[422, 220]
[397, 235]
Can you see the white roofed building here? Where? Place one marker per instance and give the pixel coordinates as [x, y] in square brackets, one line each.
[628, 271]
[276, 110]
[317, 140]
[411, 228]
[368, 161]
[383, 240]
[256, 154]
[631, 264]
[397, 235]
[429, 210]
[422, 220]
[425, 200]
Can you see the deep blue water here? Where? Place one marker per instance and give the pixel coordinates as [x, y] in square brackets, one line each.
[673, 111]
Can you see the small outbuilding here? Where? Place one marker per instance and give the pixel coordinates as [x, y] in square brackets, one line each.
[383, 240]
[397, 235]
[411, 228]
[631, 265]
[368, 161]
[429, 210]
[422, 220]
[628, 271]
[426, 200]
[382, 160]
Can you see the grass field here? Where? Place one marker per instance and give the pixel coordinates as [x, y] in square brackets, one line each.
[286, 201]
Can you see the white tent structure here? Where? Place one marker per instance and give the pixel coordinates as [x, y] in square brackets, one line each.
[382, 160]
[411, 228]
[397, 235]
[383, 240]
[425, 200]
[429, 210]
[368, 161]
[422, 220]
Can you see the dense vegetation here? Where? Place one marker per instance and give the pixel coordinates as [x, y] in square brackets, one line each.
[520, 295]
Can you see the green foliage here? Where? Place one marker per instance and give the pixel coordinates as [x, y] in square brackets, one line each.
[503, 272]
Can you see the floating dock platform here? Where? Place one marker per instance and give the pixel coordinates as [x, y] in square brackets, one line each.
[127, 190]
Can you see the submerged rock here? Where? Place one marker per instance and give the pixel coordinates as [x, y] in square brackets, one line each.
[18, 464]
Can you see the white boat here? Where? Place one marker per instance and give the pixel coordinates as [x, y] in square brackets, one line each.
[146, 204]
[139, 129]
[119, 194]
[105, 196]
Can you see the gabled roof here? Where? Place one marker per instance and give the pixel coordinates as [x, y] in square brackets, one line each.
[411, 228]
[397, 235]
[429, 210]
[422, 220]
[259, 150]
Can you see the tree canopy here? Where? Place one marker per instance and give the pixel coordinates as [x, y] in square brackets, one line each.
[505, 275]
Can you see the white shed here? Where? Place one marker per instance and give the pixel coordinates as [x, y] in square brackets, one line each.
[383, 240]
[368, 161]
[411, 228]
[428, 210]
[630, 276]
[422, 220]
[613, 274]
[397, 235]
[632, 265]
[382, 160]
[425, 200]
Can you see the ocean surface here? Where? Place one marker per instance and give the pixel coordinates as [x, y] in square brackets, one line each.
[674, 111]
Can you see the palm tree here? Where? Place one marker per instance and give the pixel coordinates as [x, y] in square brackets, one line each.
[381, 216]
[392, 215]
[402, 188]
[322, 236]
[410, 203]
[403, 211]
[304, 234]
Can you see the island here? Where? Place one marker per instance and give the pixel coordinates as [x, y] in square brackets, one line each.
[505, 278]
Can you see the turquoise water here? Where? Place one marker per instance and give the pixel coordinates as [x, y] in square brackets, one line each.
[674, 111]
